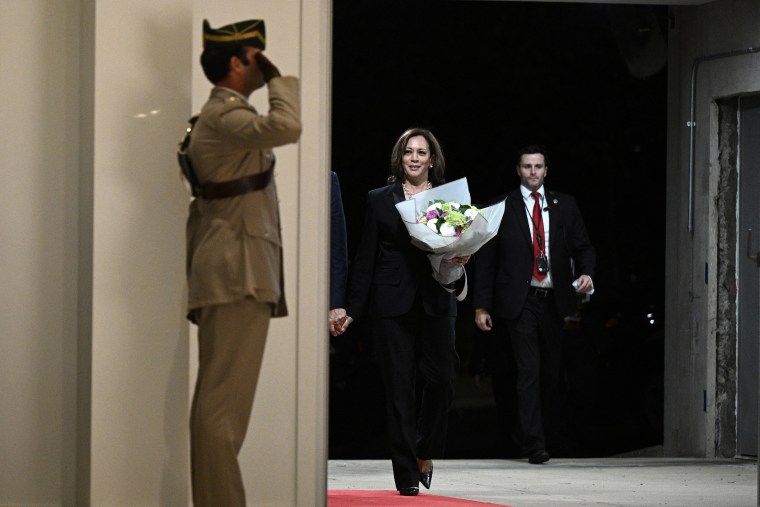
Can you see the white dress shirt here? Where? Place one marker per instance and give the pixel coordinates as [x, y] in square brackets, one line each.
[529, 202]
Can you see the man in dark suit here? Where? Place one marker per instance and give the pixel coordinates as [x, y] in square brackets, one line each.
[525, 282]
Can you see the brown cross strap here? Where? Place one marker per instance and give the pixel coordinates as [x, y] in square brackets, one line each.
[239, 186]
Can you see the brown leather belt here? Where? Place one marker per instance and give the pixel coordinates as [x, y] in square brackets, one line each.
[239, 186]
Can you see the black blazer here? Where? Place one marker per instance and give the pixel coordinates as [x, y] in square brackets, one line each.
[389, 274]
[338, 247]
[503, 268]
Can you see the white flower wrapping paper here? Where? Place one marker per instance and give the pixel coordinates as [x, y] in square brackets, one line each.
[482, 228]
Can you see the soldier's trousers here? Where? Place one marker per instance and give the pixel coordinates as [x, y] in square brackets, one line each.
[231, 340]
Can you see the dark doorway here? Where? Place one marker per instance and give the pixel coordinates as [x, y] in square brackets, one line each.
[749, 293]
[587, 80]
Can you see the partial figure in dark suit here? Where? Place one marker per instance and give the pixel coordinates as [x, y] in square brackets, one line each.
[412, 316]
[338, 251]
[525, 282]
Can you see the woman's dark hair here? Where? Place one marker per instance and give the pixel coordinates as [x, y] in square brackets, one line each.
[216, 61]
[436, 176]
[533, 149]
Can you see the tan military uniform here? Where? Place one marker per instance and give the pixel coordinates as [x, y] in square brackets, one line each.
[234, 268]
[234, 244]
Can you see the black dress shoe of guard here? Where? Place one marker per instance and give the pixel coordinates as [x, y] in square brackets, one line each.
[409, 491]
[426, 478]
[538, 457]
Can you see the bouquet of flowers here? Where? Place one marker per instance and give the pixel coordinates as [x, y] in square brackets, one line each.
[448, 218]
[443, 222]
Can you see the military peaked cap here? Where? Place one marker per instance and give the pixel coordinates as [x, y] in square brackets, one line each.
[243, 33]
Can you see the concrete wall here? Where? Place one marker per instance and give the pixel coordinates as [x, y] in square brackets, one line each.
[96, 358]
[691, 287]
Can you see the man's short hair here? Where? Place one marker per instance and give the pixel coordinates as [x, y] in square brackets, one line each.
[216, 61]
[533, 149]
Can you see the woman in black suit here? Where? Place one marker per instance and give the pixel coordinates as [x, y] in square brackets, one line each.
[412, 315]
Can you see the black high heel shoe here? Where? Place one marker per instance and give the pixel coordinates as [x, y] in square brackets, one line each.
[409, 491]
[426, 477]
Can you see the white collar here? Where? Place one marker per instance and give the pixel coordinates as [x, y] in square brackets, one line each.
[526, 192]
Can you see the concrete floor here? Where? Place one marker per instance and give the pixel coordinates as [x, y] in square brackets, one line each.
[626, 481]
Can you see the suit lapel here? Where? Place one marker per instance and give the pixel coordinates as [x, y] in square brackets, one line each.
[516, 201]
[555, 217]
[393, 195]
[552, 202]
[397, 193]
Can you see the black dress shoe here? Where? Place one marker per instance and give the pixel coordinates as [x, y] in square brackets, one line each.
[426, 478]
[409, 491]
[538, 457]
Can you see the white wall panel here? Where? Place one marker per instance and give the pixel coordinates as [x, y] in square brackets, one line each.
[38, 232]
[95, 358]
[139, 437]
[314, 201]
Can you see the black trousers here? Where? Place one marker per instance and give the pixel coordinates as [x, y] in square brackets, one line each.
[536, 336]
[410, 349]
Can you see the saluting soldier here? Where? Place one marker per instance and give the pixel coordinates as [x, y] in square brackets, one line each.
[234, 247]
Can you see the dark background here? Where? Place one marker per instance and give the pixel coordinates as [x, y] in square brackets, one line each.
[587, 80]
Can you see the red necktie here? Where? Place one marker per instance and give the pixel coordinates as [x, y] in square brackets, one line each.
[538, 235]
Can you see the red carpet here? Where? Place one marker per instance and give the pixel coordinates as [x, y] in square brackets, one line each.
[359, 498]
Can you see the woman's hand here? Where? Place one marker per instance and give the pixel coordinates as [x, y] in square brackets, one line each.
[461, 260]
